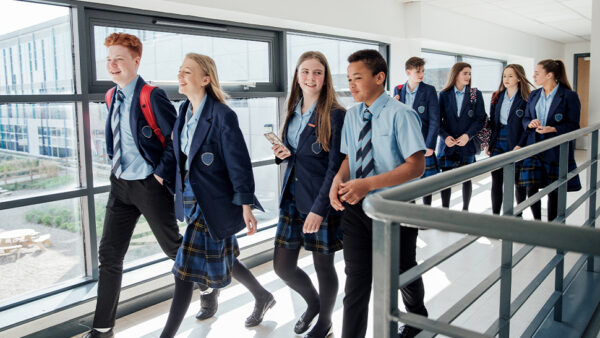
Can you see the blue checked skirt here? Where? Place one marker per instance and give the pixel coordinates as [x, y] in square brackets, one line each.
[431, 166]
[203, 260]
[501, 147]
[289, 235]
[537, 172]
[455, 160]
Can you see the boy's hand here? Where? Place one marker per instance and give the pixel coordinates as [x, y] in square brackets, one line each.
[333, 194]
[355, 190]
[462, 140]
[429, 152]
[397, 97]
[312, 223]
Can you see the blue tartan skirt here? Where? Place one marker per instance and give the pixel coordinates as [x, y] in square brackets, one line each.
[447, 162]
[203, 260]
[501, 147]
[431, 166]
[289, 235]
[537, 172]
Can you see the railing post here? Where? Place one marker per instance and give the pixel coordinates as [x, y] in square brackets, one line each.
[386, 269]
[592, 182]
[507, 248]
[563, 169]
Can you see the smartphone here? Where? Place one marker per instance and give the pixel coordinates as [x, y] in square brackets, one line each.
[274, 139]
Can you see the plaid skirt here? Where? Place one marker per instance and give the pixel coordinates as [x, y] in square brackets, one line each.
[448, 162]
[431, 166]
[289, 235]
[539, 173]
[203, 260]
[501, 147]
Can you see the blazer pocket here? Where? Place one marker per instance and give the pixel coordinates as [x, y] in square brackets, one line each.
[209, 158]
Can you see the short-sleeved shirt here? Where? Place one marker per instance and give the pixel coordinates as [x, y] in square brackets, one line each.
[542, 107]
[133, 164]
[505, 107]
[409, 98]
[189, 129]
[396, 134]
[459, 95]
[297, 124]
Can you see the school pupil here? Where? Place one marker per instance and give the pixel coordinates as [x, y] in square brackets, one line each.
[311, 134]
[462, 117]
[506, 122]
[214, 195]
[423, 99]
[552, 110]
[384, 147]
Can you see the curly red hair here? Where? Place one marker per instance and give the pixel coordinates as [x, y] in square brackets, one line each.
[129, 41]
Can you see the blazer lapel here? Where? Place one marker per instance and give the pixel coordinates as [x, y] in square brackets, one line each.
[177, 132]
[554, 105]
[498, 108]
[513, 107]
[202, 128]
[465, 102]
[403, 93]
[135, 110]
[307, 130]
[418, 98]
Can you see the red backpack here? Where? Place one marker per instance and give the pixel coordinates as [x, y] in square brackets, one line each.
[146, 106]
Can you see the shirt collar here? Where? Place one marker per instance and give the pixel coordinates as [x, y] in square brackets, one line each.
[456, 91]
[552, 93]
[414, 91]
[195, 115]
[510, 99]
[129, 88]
[377, 106]
[298, 109]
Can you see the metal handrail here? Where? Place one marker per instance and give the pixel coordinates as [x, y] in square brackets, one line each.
[391, 208]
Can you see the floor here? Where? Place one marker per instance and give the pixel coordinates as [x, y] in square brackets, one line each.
[444, 285]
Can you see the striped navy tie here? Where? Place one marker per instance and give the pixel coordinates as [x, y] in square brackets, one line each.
[116, 130]
[364, 154]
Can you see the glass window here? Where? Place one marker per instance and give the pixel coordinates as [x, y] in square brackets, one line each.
[35, 54]
[266, 182]
[237, 60]
[335, 50]
[38, 151]
[41, 246]
[486, 74]
[437, 69]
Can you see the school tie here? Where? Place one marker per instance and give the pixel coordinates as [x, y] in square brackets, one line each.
[364, 154]
[116, 123]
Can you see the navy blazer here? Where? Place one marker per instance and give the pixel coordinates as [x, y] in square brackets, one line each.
[563, 115]
[471, 121]
[161, 159]
[516, 132]
[427, 105]
[220, 169]
[314, 167]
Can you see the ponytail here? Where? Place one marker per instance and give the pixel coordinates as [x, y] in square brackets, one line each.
[557, 68]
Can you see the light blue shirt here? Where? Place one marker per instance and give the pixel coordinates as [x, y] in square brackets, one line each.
[134, 165]
[409, 98]
[297, 124]
[396, 134]
[505, 108]
[460, 96]
[189, 128]
[542, 107]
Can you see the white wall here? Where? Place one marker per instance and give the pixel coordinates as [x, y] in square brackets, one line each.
[594, 111]
[570, 50]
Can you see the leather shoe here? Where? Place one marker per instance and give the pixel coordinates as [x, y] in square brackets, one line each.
[259, 311]
[406, 331]
[304, 322]
[97, 334]
[208, 305]
[327, 333]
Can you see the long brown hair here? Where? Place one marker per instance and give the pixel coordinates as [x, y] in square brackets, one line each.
[524, 84]
[209, 68]
[556, 67]
[326, 102]
[456, 69]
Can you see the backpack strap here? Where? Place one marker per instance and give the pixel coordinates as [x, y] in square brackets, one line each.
[108, 97]
[146, 106]
[473, 96]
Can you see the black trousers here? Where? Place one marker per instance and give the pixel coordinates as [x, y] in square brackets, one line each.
[126, 202]
[357, 228]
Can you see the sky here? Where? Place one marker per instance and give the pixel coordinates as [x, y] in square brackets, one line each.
[15, 15]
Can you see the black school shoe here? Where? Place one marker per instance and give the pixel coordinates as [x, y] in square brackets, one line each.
[314, 334]
[208, 305]
[259, 311]
[304, 322]
[97, 334]
[406, 331]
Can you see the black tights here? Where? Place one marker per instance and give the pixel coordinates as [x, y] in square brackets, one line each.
[467, 190]
[498, 191]
[185, 289]
[536, 208]
[286, 267]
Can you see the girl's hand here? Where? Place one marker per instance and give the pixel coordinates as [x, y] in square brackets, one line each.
[312, 223]
[450, 141]
[251, 223]
[534, 123]
[281, 151]
[545, 130]
[462, 140]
